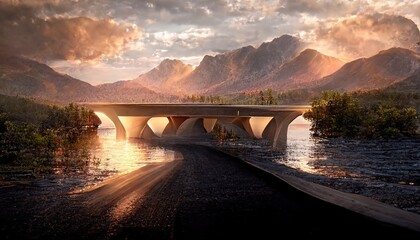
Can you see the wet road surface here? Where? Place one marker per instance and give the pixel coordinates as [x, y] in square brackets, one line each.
[203, 194]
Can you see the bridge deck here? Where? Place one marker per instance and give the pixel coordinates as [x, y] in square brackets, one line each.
[197, 110]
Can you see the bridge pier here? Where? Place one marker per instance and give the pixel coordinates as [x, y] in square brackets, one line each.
[279, 138]
[134, 126]
[119, 127]
[209, 124]
[173, 125]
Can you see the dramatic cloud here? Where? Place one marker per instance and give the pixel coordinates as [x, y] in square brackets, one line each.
[366, 35]
[105, 30]
[75, 38]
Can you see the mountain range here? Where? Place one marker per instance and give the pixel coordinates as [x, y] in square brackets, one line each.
[283, 64]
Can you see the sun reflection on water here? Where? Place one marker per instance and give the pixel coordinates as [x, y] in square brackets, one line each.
[127, 155]
[299, 149]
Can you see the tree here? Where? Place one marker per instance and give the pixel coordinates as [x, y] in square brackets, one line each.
[270, 98]
[387, 121]
[261, 98]
[334, 114]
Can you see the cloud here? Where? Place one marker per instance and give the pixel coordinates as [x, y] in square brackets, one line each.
[75, 38]
[99, 72]
[189, 38]
[76, 29]
[366, 35]
[319, 8]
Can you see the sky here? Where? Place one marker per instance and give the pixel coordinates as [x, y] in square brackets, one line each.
[100, 41]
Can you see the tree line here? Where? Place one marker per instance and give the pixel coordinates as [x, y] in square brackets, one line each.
[261, 97]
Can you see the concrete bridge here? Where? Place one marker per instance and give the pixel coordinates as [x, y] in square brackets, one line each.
[158, 120]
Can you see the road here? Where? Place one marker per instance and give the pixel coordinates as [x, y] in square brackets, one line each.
[203, 194]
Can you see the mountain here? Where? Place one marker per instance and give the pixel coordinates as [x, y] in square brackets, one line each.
[235, 70]
[408, 85]
[309, 66]
[25, 77]
[379, 71]
[129, 92]
[163, 77]
[29, 78]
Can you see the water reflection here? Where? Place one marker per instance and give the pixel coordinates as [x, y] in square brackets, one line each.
[336, 158]
[299, 153]
[138, 165]
[127, 155]
[391, 161]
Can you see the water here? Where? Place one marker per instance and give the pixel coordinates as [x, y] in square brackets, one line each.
[127, 155]
[109, 157]
[393, 161]
[385, 170]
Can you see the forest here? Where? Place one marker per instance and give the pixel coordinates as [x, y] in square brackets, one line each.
[44, 138]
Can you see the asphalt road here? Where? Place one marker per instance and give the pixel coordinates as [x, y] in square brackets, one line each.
[204, 194]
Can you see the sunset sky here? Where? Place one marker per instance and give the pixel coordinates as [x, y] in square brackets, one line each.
[107, 40]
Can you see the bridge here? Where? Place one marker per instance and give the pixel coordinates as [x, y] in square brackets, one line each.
[159, 120]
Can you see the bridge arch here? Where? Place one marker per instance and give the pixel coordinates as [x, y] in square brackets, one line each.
[158, 125]
[191, 127]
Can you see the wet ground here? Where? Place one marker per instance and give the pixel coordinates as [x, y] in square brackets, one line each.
[201, 194]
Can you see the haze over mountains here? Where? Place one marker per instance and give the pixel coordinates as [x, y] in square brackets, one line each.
[282, 64]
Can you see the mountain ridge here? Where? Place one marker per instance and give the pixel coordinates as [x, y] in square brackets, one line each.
[247, 64]
[379, 71]
[25, 77]
[21, 76]
[165, 75]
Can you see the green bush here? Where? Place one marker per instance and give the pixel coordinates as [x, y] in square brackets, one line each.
[385, 121]
[334, 115]
[340, 115]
